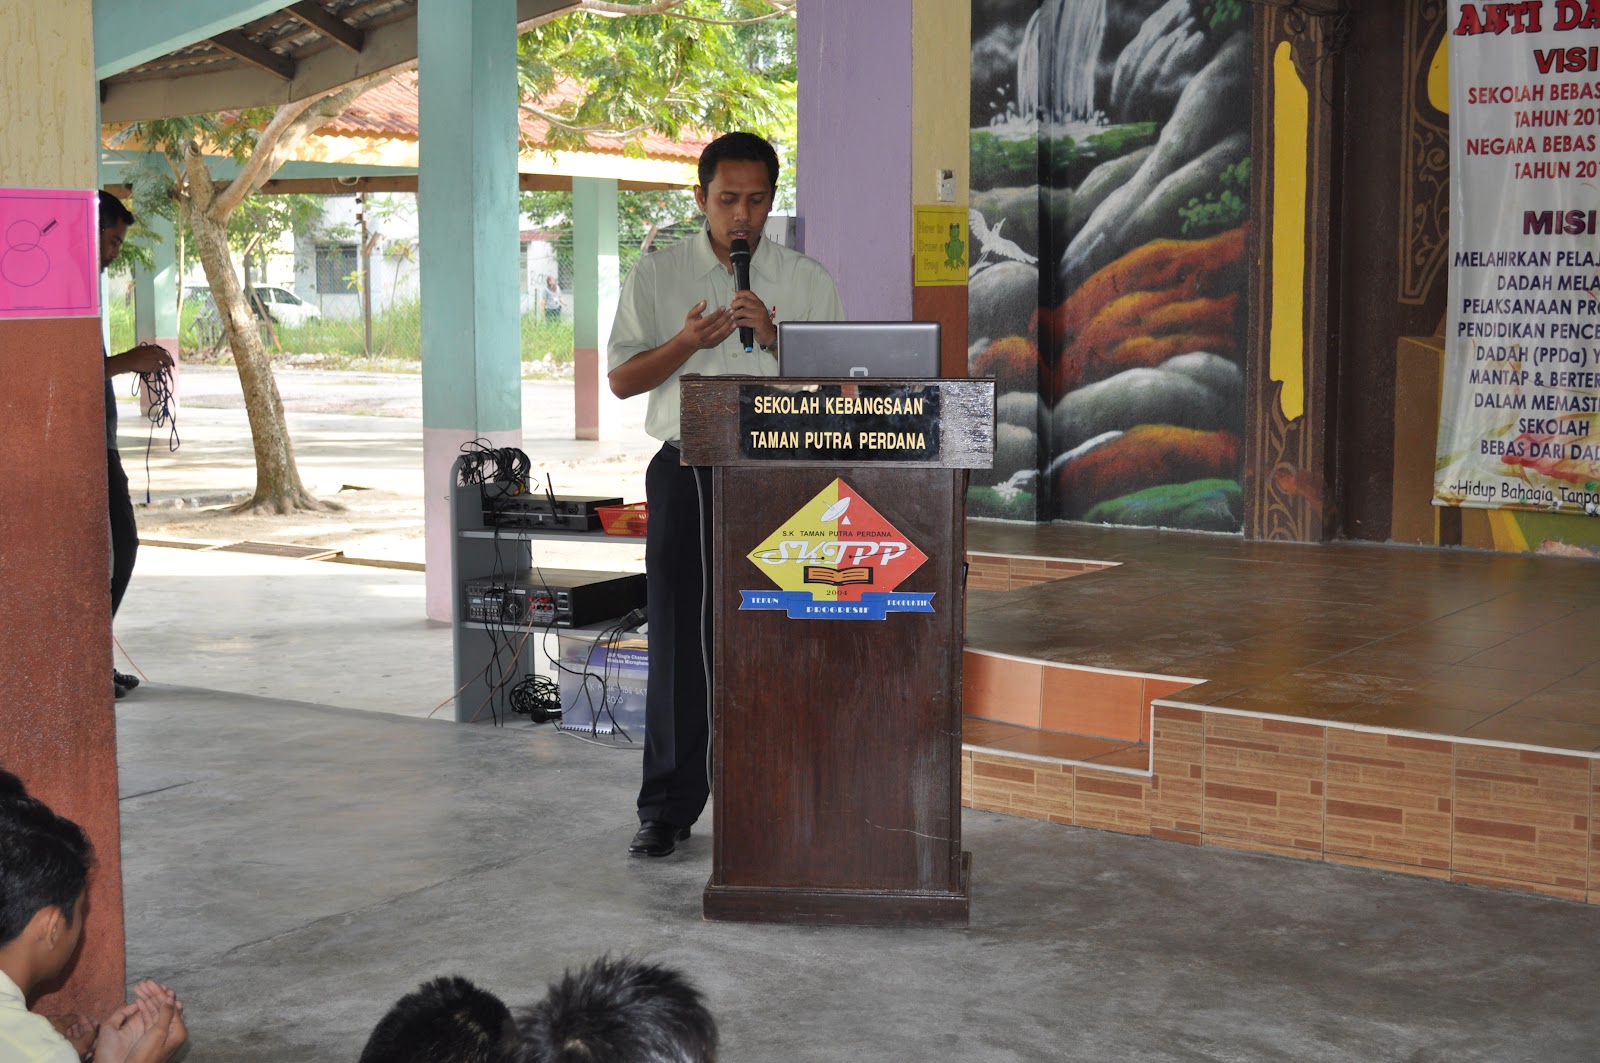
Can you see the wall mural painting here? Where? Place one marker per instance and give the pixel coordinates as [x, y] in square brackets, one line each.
[1110, 192]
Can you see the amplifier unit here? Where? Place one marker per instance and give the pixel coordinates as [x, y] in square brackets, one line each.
[529, 510]
[556, 597]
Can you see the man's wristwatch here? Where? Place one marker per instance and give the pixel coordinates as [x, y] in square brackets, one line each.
[770, 348]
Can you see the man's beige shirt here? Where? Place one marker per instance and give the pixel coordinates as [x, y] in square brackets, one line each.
[663, 286]
[26, 1037]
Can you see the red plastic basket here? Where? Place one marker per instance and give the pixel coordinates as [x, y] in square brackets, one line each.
[624, 520]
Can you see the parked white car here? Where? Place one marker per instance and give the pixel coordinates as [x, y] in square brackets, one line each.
[285, 307]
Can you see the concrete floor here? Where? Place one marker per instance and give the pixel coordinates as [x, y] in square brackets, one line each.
[298, 854]
[315, 631]
[293, 868]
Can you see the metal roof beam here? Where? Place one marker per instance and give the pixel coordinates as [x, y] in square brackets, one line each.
[329, 25]
[236, 44]
[387, 47]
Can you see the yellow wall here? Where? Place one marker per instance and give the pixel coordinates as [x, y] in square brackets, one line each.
[941, 85]
[47, 95]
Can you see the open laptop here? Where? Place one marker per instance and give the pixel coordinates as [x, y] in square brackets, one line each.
[858, 348]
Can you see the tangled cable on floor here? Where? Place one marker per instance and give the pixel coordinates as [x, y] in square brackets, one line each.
[537, 697]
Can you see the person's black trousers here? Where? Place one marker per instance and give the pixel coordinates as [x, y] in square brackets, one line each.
[677, 570]
[124, 532]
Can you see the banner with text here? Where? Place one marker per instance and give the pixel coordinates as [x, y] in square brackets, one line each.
[1521, 390]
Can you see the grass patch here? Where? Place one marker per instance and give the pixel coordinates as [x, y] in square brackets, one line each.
[340, 343]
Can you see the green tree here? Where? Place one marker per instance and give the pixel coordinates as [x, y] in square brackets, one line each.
[625, 69]
[672, 66]
[676, 67]
[214, 211]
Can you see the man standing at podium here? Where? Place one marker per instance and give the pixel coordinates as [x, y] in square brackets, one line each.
[680, 312]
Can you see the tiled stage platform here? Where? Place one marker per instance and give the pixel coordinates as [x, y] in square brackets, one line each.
[1429, 712]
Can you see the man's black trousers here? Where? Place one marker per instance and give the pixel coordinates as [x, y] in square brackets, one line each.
[124, 532]
[677, 572]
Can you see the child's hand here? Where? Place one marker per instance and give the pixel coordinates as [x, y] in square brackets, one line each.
[119, 1032]
[150, 1030]
[153, 998]
[77, 1030]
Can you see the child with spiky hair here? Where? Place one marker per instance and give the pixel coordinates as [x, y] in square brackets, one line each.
[620, 1011]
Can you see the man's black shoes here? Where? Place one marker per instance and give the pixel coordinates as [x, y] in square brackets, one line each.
[121, 683]
[657, 838]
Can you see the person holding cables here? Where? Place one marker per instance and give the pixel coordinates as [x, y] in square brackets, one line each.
[685, 310]
[144, 358]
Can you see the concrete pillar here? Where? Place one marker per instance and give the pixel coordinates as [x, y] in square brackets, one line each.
[594, 304]
[155, 294]
[855, 143]
[941, 141]
[57, 730]
[468, 232]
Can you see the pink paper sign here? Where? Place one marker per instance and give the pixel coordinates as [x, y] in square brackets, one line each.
[49, 253]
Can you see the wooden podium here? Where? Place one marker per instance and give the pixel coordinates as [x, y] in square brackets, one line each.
[836, 680]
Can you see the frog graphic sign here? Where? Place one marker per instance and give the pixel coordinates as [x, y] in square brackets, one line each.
[837, 558]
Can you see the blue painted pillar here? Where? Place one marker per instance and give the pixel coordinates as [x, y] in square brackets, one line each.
[855, 145]
[468, 225]
[594, 303]
[155, 293]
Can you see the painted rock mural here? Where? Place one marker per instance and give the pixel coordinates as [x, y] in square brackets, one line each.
[1110, 188]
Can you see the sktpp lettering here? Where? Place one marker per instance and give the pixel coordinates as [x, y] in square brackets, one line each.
[833, 552]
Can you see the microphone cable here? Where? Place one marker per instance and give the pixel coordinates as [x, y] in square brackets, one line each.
[538, 698]
[160, 410]
[705, 616]
[486, 464]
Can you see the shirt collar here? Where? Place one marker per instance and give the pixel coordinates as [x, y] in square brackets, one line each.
[8, 988]
[705, 259]
[762, 260]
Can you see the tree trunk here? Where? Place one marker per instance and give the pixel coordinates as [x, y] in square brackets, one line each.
[278, 487]
[207, 204]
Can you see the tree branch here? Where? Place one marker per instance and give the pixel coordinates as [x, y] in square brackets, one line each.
[229, 196]
[287, 131]
[612, 9]
[601, 132]
[202, 190]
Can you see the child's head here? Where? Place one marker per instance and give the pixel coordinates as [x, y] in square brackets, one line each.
[621, 1011]
[44, 867]
[447, 1020]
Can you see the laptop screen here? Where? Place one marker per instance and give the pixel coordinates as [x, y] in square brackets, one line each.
[858, 348]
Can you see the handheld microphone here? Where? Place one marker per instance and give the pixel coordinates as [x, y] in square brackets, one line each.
[739, 255]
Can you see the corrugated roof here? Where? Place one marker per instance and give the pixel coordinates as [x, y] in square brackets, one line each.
[390, 110]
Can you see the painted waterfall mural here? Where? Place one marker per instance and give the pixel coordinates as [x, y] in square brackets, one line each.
[1110, 188]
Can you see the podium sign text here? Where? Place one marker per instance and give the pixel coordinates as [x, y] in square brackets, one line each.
[839, 422]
